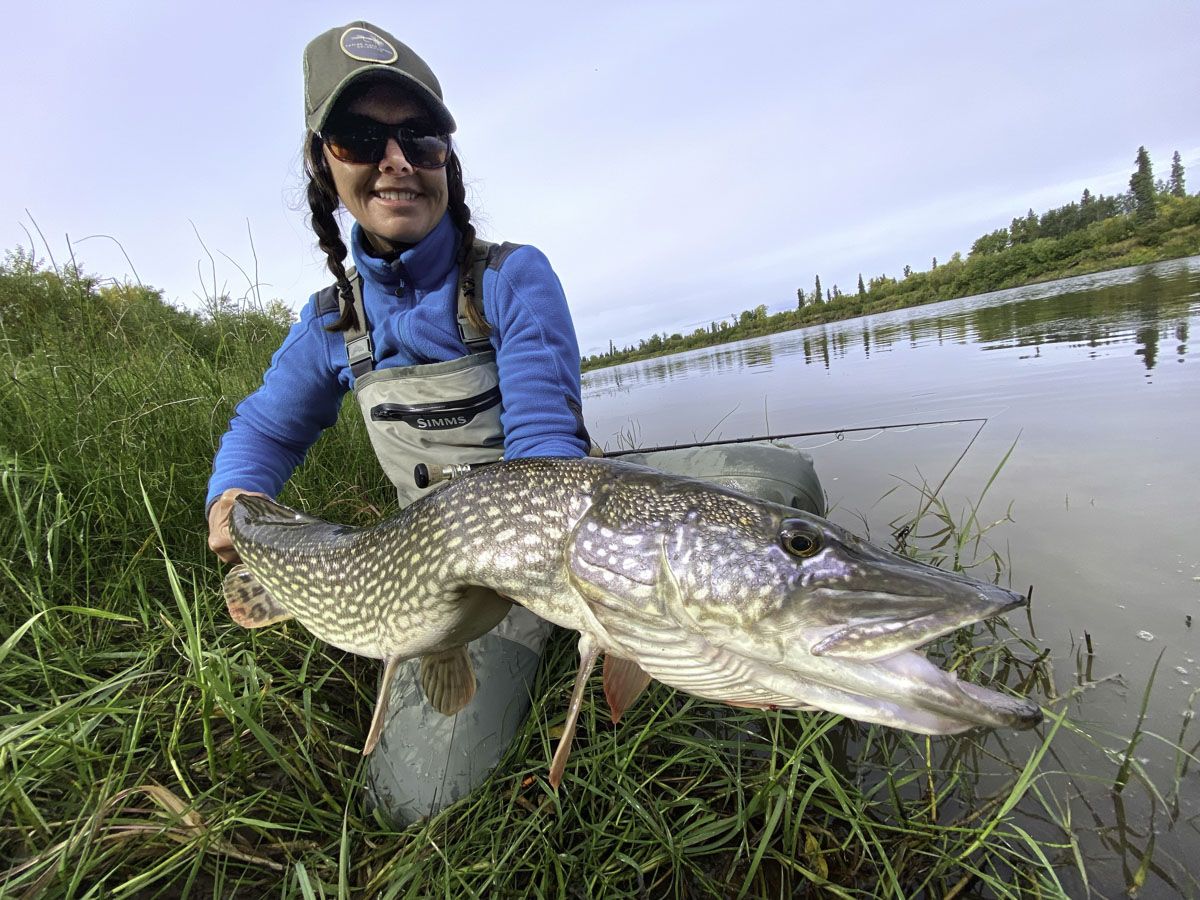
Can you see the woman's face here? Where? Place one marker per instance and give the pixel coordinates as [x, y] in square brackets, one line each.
[394, 202]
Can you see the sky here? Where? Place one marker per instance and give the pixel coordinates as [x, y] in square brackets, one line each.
[677, 161]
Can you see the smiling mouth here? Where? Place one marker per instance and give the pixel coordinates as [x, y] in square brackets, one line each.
[397, 195]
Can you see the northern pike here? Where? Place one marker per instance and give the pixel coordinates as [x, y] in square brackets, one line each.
[705, 589]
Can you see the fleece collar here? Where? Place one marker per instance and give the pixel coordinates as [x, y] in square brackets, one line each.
[423, 265]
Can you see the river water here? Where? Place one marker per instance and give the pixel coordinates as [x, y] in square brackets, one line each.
[1094, 384]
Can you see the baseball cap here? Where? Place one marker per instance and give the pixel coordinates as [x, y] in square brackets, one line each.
[337, 58]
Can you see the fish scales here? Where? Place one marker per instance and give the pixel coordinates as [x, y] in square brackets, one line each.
[698, 586]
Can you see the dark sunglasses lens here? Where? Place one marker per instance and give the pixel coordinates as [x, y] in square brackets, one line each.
[357, 146]
[425, 151]
[368, 146]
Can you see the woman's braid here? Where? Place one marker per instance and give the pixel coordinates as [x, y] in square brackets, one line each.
[323, 203]
[460, 215]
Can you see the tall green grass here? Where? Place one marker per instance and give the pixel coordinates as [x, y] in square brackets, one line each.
[149, 747]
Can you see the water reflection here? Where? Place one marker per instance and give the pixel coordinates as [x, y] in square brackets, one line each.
[1146, 307]
[751, 354]
[1148, 338]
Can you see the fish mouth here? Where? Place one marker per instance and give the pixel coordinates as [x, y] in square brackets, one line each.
[905, 690]
[856, 646]
[873, 668]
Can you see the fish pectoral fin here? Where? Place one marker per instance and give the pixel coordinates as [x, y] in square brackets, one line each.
[624, 681]
[588, 652]
[448, 680]
[381, 705]
[248, 602]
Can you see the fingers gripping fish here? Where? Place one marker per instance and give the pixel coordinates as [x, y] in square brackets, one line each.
[705, 589]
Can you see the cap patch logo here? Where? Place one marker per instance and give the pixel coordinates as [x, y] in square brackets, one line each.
[359, 43]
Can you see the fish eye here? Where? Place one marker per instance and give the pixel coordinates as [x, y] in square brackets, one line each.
[802, 542]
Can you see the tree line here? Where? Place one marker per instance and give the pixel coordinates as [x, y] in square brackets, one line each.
[1154, 219]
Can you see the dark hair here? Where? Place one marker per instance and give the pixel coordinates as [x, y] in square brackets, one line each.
[323, 203]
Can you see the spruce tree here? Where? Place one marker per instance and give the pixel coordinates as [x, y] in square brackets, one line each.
[862, 290]
[799, 298]
[1175, 184]
[1032, 226]
[1141, 186]
[817, 290]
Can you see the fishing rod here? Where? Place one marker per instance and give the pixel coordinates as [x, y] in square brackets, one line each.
[425, 475]
[795, 434]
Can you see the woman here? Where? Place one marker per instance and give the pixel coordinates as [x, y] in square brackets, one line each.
[456, 352]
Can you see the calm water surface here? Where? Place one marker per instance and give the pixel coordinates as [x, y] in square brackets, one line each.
[1096, 381]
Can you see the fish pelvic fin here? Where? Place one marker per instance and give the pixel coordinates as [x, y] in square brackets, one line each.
[624, 681]
[588, 651]
[248, 602]
[448, 679]
[379, 717]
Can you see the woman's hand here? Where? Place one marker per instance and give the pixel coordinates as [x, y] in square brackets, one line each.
[219, 541]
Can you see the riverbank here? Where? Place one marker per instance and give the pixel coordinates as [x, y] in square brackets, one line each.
[1113, 243]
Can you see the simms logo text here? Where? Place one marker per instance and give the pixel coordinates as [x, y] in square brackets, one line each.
[436, 422]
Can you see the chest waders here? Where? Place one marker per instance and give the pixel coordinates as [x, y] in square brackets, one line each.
[442, 414]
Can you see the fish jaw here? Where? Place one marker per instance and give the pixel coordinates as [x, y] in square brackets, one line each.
[904, 691]
[879, 623]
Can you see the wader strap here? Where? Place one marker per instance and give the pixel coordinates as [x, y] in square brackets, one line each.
[484, 255]
[359, 350]
[470, 286]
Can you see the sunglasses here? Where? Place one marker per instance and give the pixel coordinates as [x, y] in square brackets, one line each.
[363, 141]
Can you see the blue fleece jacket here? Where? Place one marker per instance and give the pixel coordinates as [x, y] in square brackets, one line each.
[411, 304]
